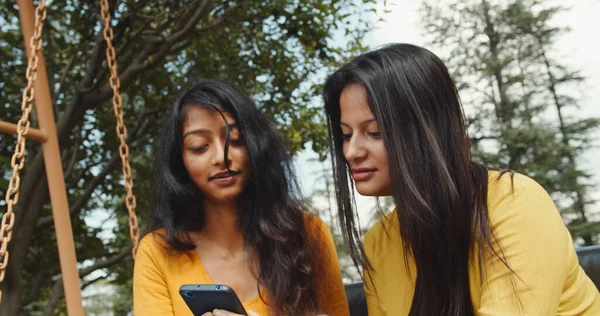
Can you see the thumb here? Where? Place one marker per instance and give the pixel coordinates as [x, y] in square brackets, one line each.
[220, 312]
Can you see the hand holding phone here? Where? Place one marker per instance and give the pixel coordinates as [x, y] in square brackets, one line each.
[203, 299]
[219, 312]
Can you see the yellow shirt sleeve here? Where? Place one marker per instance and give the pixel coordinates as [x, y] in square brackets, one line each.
[547, 278]
[535, 243]
[150, 291]
[332, 294]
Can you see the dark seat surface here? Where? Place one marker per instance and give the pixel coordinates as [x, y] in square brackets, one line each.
[589, 259]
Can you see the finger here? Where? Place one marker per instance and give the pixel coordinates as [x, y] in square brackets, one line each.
[208, 314]
[220, 312]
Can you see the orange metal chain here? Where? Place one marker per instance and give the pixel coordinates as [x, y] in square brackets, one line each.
[115, 83]
[18, 159]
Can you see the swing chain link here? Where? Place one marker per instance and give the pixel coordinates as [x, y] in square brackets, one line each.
[18, 159]
[115, 83]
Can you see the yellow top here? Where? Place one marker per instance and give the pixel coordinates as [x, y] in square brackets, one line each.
[537, 246]
[158, 276]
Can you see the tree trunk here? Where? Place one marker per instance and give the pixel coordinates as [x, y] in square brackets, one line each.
[579, 203]
[503, 107]
[32, 203]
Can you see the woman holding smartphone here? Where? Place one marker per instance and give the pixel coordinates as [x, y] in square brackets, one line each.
[464, 239]
[229, 213]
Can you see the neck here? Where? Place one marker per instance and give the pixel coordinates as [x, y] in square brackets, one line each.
[221, 225]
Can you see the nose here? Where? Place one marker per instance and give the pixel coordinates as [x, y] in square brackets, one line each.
[219, 158]
[354, 149]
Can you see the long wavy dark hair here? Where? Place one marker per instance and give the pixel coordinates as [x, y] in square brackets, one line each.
[440, 194]
[272, 215]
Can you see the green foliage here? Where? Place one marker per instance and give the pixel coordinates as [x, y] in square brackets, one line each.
[517, 96]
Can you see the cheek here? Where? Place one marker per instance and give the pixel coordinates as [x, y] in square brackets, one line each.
[382, 150]
[345, 149]
[193, 164]
[240, 155]
[186, 162]
[381, 154]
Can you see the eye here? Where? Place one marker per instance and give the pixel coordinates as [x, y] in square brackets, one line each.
[236, 141]
[346, 137]
[198, 149]
[235, 137]
[375, 134]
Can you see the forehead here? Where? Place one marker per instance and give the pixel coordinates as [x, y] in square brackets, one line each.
[354, 105]
[201, 117]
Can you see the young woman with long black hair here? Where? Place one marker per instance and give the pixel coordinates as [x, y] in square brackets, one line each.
[464, 239]
[229, 212]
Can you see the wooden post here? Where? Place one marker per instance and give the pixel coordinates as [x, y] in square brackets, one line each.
[54, 171]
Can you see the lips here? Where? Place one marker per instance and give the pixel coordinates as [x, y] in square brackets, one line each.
[362, 174]
[223, 175]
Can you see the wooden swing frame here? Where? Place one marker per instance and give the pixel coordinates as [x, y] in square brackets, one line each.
[47, 136]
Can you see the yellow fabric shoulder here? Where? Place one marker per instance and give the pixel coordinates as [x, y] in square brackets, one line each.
[535, 242]
[159, 273]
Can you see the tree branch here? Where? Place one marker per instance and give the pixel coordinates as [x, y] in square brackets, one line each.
[55, 298]
[192, 22]
[93, 65]
[180, 47]
[107, 262]
[47, 221]
[90, 282]
[140, 63]
[61, 83]
[166, 42]
[34, 193]
[131, 39]
[58, 290]
[36, 285]
[73, 158]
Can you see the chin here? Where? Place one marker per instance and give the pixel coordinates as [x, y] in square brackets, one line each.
[367, 190]
[229, 197]
[372, 189]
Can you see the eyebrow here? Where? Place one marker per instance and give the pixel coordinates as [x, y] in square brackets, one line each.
[206, 131]
[361, 123]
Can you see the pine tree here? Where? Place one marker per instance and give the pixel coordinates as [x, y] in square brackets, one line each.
[516, 96]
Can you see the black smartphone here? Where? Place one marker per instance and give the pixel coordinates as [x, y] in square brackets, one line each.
[203, 298]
